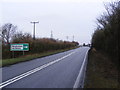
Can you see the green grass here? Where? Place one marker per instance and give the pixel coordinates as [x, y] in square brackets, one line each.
[7, 62]
[101, 72]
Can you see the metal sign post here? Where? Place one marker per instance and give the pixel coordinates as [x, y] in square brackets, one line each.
[12, 54]
[23, 53]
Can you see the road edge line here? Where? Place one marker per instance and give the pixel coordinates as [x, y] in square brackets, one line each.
[76, 84]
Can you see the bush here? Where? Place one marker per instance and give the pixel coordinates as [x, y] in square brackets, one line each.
[106, 36]
[38, 45]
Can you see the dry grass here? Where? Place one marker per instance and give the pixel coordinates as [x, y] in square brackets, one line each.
[101, 72]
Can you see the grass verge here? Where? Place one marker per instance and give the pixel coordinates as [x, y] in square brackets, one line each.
[7, 62]
[101, 72]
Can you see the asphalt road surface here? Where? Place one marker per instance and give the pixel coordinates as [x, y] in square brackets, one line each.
[55, 71]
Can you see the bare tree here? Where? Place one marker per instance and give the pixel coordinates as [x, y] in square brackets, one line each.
[21, 37]
[7, 31]
[106, 37]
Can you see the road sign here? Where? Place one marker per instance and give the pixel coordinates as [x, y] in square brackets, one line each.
[19, 47]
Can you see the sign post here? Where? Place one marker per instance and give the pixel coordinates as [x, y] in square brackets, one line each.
[19, 47]
[12, 54]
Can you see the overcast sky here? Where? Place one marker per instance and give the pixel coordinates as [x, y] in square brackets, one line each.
[63, 17]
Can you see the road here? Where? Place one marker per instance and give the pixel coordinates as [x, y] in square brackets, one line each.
[55, 71]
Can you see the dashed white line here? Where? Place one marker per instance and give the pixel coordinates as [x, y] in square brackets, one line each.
[10, 81]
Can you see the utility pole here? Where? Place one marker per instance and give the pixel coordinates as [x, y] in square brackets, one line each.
[51, 34]
[67, 38]
[73, 38]
[34, 29]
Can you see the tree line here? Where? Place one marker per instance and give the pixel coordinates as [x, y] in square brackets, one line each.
[10, 34]
[105, 38]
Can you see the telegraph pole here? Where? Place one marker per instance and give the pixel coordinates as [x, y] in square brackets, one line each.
[73, 38]
[51, 34]
[67, 38]
[34, 29]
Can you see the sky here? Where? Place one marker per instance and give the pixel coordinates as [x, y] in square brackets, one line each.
[63, 17]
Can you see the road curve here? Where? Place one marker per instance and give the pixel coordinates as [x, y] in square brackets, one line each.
[55, 71]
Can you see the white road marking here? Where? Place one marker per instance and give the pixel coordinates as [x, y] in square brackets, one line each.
[76, 85]
[32, 71]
